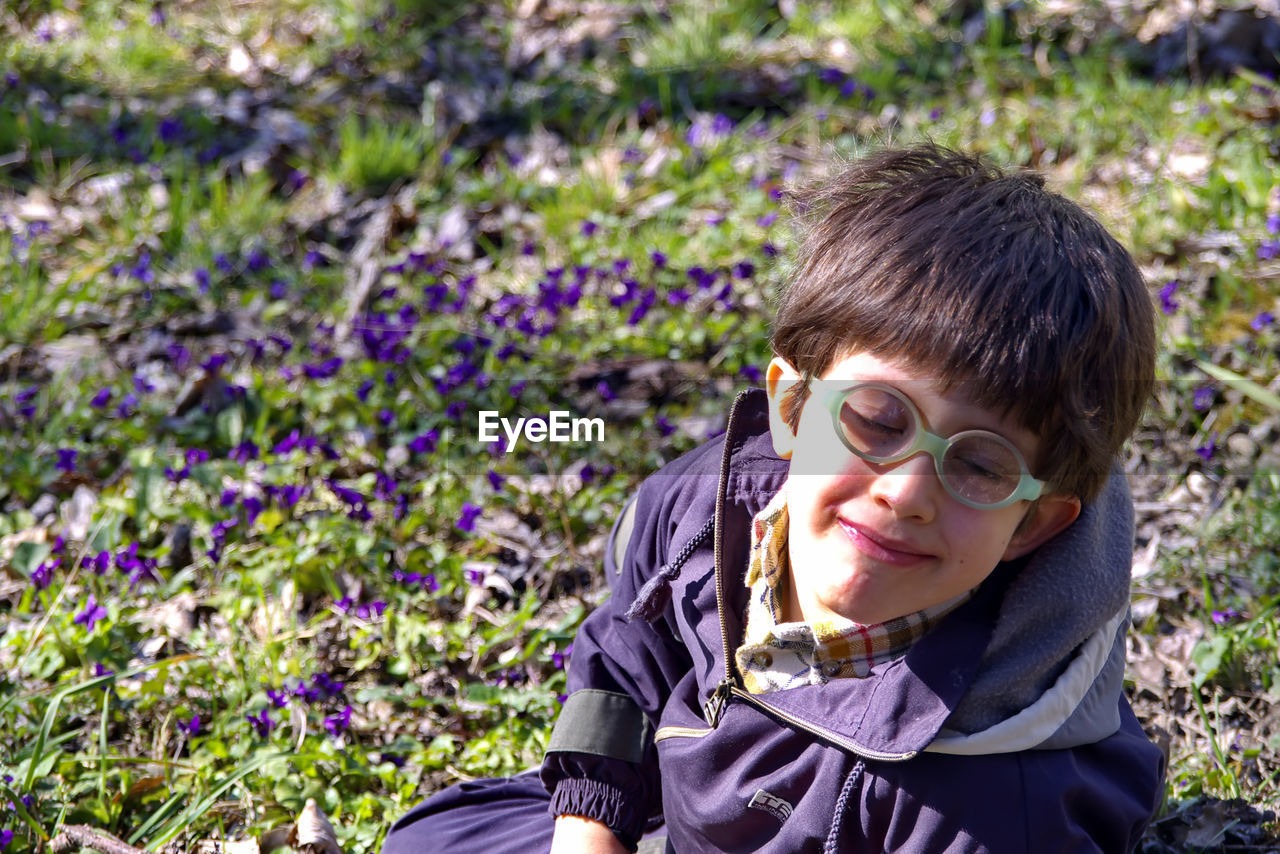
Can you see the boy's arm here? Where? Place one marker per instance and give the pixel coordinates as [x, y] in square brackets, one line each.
[602, 763]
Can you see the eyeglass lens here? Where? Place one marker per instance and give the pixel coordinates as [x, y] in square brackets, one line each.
[881, 427]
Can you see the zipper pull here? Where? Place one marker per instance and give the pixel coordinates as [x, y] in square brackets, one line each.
[714, 707]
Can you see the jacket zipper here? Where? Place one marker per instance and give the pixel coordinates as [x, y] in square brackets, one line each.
[728, 687]
[667, 732]
[825, 734]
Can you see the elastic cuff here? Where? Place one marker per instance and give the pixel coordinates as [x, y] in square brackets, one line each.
[599, 802]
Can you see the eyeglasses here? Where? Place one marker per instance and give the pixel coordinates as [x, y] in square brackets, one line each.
[978, 468]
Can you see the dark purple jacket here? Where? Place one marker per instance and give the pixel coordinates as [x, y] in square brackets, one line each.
[1004, 729]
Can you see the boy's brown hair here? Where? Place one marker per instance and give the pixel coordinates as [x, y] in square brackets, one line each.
[981, 279]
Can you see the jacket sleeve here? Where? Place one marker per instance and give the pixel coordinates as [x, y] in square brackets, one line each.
[601, 763]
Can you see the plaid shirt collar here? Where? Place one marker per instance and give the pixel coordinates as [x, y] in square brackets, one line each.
[777, 654]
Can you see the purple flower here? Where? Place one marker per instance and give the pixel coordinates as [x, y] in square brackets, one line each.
[100, 670]
[261, 722]
[244, 452]
[371, 610]
[288, 443]
[91, 613]
[665, 427]
[744, 269]
[170, 128]
[1167, 303]
[589, 228]
[1262, 320]
[252, 509]
[1268, 249]
[336, 724]
[6, 836]
[99, 563]
[325, 686]
[496, 480]
[752, 374]
[558, 658]
[257, 261]
[323, 370]
[467, 519]
[425, 443]
[278, 698]
[191, 727]
[42, 575]
[101, 398]
[1226, 616]
[1203, 398]
[1207, 450]
[659, 260]
[67, 459]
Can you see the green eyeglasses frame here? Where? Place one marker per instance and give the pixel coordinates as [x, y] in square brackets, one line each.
[1028, 488]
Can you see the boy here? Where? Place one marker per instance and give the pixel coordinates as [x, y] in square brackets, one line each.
[886, 610]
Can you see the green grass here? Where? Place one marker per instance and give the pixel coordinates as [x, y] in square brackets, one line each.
[348, 561]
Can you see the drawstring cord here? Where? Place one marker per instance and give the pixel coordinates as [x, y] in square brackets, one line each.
[842, 804]
[655, 595]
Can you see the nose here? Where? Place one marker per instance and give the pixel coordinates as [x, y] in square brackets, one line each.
[909, 488]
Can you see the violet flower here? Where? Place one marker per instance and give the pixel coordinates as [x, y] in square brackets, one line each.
[42, 575]
[67, 459]
[261, 722]
[339, 722]
[467, 519]
[91, 614]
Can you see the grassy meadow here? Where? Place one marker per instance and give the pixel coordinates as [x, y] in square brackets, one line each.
[264, 263]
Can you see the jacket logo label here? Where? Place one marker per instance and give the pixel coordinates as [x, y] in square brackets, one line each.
[772, 804]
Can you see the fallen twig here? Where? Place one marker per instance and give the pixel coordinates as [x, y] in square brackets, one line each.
[75, 836]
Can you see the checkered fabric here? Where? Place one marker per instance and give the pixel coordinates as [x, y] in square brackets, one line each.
[776, 655]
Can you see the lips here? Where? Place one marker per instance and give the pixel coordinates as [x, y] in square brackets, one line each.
[882, 548]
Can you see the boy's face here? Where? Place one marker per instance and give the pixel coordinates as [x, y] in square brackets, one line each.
[870, 542]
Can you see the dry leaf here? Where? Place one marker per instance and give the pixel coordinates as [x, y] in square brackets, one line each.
[313, 834]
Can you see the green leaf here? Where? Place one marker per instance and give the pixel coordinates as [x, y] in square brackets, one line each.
[28, 556]
[1207, 657]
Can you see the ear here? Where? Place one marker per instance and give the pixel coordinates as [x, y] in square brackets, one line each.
[779, 378]
[1049, 516]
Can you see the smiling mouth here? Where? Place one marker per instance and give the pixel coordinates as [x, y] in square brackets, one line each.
[880, 548]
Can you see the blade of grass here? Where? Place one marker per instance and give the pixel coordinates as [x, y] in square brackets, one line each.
[193, 812]
[1241, 384]
[51, 713]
